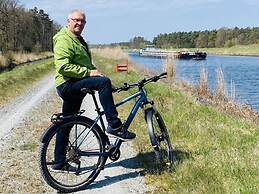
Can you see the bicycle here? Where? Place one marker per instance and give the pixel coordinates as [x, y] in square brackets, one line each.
[89, 148]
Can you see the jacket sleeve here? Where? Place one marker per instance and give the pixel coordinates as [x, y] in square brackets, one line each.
[63, 53]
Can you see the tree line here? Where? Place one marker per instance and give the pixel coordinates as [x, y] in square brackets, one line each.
[25, 30]
[223, 37]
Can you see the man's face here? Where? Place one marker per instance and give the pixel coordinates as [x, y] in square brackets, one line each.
[76, 23]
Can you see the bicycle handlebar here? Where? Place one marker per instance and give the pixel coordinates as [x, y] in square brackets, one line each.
[140, 83]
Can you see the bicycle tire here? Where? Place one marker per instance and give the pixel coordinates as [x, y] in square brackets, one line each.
[159, 137]
[95, 141]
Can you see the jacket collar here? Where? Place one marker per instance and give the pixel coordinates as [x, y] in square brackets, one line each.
[70, 34]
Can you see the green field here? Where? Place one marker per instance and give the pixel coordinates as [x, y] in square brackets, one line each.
[213, 152]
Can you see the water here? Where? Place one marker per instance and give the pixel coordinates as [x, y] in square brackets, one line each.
[239, 71]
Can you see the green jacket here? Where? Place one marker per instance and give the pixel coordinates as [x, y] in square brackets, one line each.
[72, 59]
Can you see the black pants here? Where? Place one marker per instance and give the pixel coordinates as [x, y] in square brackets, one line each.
[72, 97]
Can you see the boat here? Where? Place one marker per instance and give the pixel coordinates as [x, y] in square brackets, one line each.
[151, 51]
[198, 55]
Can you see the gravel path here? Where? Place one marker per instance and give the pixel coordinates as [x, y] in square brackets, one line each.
[13, 114]
[16, 120]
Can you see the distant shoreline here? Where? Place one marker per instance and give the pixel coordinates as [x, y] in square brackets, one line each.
[210, 53]
[251, 50]
[237, 55]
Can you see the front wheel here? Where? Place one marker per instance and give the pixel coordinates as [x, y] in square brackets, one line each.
[159, 137]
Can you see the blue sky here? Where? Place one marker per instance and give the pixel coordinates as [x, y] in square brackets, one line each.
[120, 20]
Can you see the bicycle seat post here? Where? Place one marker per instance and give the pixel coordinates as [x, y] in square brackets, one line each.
[97, 109]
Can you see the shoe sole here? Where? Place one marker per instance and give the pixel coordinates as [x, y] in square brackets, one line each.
[111, 135]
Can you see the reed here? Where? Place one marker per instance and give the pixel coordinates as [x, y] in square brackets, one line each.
[232, 90]
[169, 67]
[203, 83]
[220, 85]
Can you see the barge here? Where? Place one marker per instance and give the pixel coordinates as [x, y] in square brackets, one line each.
[154, 52]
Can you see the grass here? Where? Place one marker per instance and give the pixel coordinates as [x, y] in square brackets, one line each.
[214, 152]
[12, 83]
[252, 49]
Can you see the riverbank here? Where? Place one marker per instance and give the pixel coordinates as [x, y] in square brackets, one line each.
[214, 151]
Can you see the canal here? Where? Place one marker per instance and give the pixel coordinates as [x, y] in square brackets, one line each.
[240, 72]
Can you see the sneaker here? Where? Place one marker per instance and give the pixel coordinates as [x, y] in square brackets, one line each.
[120, 133]
[67, 168]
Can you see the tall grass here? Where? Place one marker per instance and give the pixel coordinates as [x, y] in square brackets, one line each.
[232, 91]
[112, 53]
[203, 83]
[169, 67]
[220, 85]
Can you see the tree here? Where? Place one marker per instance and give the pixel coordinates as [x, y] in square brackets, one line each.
[24, 30]
[137, 42]
[202, 40]
[221, 37]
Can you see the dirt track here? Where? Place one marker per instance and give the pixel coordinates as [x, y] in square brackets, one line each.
[22, 122]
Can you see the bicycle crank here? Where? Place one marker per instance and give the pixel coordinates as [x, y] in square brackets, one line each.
[114, 154]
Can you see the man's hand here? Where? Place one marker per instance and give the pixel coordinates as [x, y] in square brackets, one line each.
[95, 73]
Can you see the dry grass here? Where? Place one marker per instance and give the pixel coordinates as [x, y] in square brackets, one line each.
[111, 53]
[21, 57]
[232, 90]
[203, 83]
[223, 103]
[3, 61]
[169, 67]
[220, 85]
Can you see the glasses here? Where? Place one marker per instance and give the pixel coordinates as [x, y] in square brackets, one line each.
[78, 20]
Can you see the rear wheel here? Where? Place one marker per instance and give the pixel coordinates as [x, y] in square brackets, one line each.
[84, 153]
[159, 137]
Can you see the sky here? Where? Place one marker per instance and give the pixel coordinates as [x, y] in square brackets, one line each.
[110, 21]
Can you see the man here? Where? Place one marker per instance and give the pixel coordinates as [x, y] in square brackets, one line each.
[74, 71]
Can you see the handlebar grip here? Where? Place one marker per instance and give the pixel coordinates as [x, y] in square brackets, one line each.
[162, 74]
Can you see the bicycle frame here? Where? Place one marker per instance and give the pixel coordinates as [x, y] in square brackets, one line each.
[141, 101]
